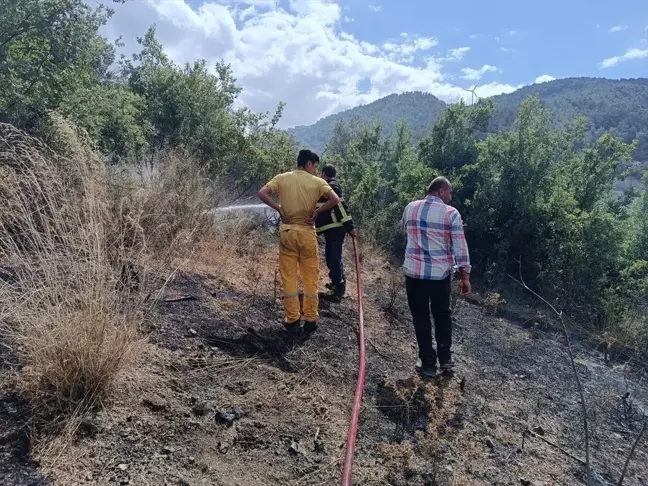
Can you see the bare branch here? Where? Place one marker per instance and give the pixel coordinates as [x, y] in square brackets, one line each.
[243, 192]
[553, 444]
[183, 298]
[631, 453]
[573, 364]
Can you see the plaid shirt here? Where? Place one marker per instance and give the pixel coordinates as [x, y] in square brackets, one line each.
[435, 240]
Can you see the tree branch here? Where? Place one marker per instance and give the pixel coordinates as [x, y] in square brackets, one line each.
[242, 193]
[631, 453]
[573, 364]
[553, 444]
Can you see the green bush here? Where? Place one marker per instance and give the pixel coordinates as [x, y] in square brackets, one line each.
[535, 195]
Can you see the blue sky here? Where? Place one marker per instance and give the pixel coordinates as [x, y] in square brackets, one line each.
[563, 38]
[324, 56]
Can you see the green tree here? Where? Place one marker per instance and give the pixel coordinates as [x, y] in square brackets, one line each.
[193, 107]
[452, 142]
[113, 116]
[451, 147]
[49, 51]
[593, 171]
[545, 200]
[638, 225]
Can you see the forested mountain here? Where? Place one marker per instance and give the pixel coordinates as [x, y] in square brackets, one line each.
[421, 110]
[617, 106]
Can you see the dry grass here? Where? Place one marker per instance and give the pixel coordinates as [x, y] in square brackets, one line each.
[61, 309]
[240, 256]
[163, 208]
[77, 246]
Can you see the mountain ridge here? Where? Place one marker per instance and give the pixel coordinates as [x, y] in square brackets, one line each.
[619, 106]
[429, 110]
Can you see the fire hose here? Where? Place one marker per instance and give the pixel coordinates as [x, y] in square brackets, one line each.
[357, 402]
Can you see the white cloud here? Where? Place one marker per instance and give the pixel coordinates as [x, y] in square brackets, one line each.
[258, 3]
[617, 28]
[476, 74]
[491, 89]
[544, 79]
[513, 32]
[506, 49]
[298, 53]
[375, 8]
[403, 50]
[457, 54]
[349, 20]
[472, 36]
[630, 55]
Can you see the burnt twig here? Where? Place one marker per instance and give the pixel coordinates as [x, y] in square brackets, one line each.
[573, 364]
[183, 298]
[553, 444]
[377, 349]
[631, 453]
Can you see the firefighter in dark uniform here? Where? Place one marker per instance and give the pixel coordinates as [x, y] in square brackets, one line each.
[334, 225]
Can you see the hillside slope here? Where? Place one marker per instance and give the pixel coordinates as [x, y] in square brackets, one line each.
[618, 106]
[212, 404]
[420, 110]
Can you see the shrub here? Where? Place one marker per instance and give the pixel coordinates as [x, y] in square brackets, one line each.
[78, 243]
[73, 330]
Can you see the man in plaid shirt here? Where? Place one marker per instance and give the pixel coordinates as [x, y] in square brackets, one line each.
[435, 245]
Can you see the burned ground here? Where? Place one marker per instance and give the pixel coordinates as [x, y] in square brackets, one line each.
[222, 397]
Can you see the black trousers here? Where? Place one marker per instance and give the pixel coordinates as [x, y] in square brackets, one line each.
[424, 296]
[334, 244]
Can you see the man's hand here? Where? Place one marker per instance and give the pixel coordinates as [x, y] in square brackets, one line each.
[353, 233]
[464, 286]
[265, 194]
[332, 199]
[285, 219]
[311, 220]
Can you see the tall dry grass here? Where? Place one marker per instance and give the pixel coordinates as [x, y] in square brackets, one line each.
[165, 204]
[69, 228]
[72, 331]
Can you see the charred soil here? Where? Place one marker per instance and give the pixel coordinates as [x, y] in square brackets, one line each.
[223, 397]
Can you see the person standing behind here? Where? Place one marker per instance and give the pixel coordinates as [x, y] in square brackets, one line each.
[334, 225]
[435, 243]
[298, 193]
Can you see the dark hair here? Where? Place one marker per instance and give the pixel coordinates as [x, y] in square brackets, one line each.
[329, 171]
[439, 183]
[306, 156]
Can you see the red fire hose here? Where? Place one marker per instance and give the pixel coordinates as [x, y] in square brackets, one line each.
[357, 403]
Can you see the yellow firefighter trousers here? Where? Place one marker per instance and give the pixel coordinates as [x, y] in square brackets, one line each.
[298, 248]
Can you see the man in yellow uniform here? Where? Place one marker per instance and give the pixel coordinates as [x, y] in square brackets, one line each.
[298, 193]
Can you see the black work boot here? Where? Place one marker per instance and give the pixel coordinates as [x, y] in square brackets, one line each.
[427, 370]
[336, 295]
[310, 327]
[447, 367]
[293, 327]
[446, 363]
